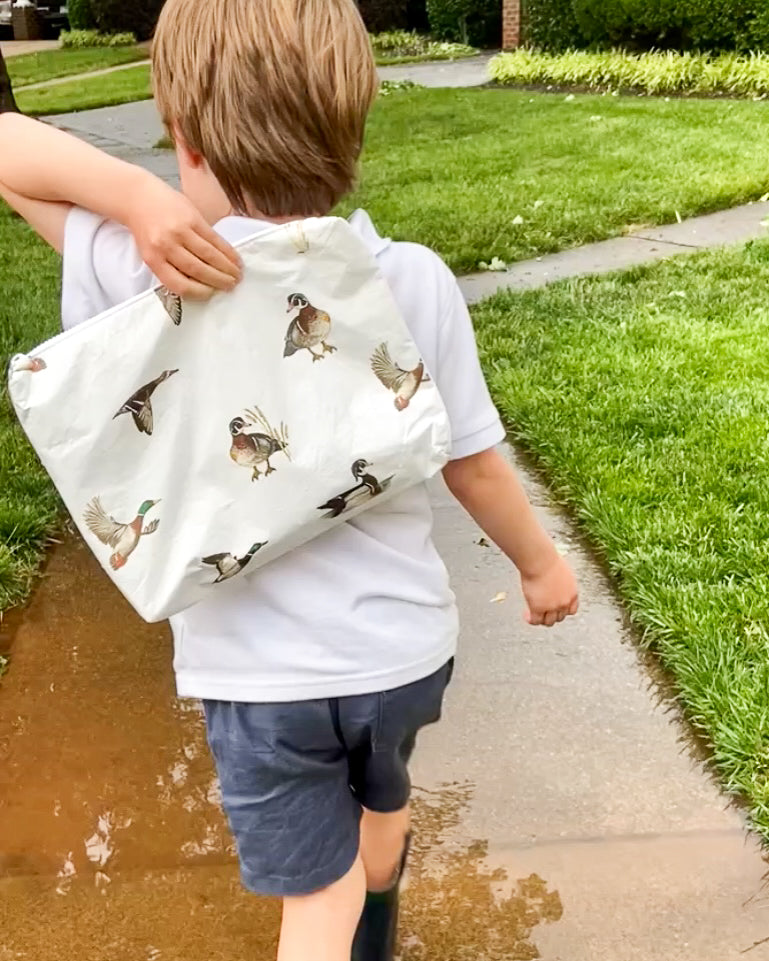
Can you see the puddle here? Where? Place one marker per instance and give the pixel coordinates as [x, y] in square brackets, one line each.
[112, 843]
[456, 906]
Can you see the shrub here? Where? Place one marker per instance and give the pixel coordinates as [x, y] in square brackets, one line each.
[659, 72]
[92, 38]
[474, 22]
[80, 14]
[379, 15]
[702, 25]
[551, 25]
[127, 16]
[403, 44]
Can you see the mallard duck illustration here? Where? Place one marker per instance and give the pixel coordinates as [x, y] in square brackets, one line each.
[124, 538]
[227, 565]
[171, 302]
[24, 362]
[139, 406]
[251, 448]
[403, 383]
[308, 329]
[366, 488]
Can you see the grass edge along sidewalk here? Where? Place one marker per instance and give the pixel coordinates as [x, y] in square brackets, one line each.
[29, 313]
[643, 397]
[28, 68]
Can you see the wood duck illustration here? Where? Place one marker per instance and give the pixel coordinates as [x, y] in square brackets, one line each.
[24, 362]
[308, 329]
[139, 405]
[227, 565]
[252, 448]
[366, 488]
[171, 302]
[403, 383]
[123, 538]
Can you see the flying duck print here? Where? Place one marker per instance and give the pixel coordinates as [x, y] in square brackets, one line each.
[123, 538]
[366, 488]
[308, 329]
[171, 302]
[139, 405]
[253, 448]
[228, 565]
[403, 383]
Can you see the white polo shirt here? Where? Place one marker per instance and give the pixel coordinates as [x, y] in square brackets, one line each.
[368, 606]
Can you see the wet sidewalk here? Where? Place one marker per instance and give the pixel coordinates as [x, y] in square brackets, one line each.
[559, 814]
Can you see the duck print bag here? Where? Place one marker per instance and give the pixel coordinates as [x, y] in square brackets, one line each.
[193, 443]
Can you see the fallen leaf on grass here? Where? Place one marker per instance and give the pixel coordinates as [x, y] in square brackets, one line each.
[498, 598]
[494, 264]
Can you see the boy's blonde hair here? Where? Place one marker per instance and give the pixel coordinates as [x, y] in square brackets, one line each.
[273, 93]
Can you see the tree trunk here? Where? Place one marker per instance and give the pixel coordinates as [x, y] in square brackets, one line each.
[7, 103]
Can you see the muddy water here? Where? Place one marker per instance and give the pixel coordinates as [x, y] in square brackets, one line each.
[112, 844]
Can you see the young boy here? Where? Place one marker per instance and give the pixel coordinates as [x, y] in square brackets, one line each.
[317, 674]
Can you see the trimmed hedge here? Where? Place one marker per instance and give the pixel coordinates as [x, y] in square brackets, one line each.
[651, 73]
[701, 25]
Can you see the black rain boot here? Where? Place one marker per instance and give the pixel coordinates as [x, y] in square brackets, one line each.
[377, 930]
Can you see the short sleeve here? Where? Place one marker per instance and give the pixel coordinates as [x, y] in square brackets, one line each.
[475, 423]
[101, 267]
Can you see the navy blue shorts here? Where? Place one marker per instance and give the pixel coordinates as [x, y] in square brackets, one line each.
[295, 776]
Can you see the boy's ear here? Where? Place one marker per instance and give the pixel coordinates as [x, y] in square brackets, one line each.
[191, 157]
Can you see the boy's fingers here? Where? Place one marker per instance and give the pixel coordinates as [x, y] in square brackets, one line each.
[182, 285]
[201, 272]
[206, 244]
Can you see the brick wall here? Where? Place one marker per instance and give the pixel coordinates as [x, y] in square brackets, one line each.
[511, 24]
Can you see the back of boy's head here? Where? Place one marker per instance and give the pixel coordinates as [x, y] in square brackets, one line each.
[273, 93]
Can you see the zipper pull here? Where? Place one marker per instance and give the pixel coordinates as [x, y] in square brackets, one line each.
[25, 362]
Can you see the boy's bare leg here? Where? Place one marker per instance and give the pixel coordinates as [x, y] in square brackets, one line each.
[320, 926]
[382, 840]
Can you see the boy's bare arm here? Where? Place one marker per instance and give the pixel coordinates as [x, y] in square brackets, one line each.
[44, 217]
[39, 163]
[488, 489]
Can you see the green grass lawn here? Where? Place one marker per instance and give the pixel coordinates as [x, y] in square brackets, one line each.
[479, 174]
[29, 312]
[483, 173]
[123, 86]
[50, 64]
[645, 399]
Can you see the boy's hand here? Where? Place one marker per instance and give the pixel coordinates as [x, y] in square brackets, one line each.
[179, 247]
[551, 594]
